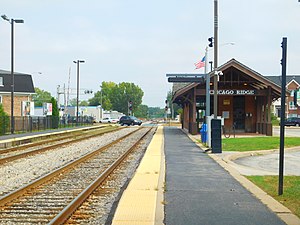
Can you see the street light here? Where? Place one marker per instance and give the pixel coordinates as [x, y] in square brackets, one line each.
[12, 21]
[215, 58]
[77, 101]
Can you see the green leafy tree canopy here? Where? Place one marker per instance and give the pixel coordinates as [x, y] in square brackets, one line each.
[116, 96]
[142, 111]
[102, 97]
[41, 96]
[123, 93]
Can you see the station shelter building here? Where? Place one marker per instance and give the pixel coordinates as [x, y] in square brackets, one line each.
[244, 99]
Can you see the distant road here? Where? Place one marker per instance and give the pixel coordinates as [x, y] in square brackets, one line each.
[289, 131]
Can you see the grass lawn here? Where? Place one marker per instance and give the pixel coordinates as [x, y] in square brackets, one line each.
[257, 143]
[291, 190]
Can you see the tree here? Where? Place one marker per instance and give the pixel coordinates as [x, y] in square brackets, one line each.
[55, 113]
[83, 103]
[41, 96]
[73, 102]
[142, 111]
[96, 100]
[123, 93]
[116, 96]
[156, 112]
[103, 96]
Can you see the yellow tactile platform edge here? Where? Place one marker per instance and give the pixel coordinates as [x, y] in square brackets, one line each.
[142, 201]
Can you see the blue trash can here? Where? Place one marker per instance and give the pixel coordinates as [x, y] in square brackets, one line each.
[203, 132]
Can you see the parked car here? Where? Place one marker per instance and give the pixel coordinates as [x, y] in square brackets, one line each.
[129, 120]
[109, 120]
[293, 121]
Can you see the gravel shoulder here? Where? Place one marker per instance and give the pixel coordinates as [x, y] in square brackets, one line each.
[16, 173]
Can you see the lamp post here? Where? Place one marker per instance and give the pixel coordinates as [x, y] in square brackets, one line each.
[216, 141]
[12, 21]
[215, 58]
[77, 100]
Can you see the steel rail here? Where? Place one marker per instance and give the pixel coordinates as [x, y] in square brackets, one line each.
[33, 152]
[22, 190]
[65, 214]
[62, 136]
[36, 137]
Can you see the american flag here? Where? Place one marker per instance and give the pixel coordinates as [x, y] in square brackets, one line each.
[200, 64]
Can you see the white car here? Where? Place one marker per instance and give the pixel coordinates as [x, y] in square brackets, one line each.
[109, 120]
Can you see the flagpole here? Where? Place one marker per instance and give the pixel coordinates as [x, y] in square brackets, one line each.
[207, 109]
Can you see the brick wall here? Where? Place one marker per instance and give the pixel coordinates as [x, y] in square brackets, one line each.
[6, 102]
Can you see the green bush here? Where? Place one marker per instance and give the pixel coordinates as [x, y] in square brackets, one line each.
[4, 121]
[274, 119]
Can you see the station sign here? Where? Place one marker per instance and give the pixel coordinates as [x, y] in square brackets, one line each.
[234, 92]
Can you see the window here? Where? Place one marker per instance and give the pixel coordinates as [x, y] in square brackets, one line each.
[292, 106]
[292, 115]
[1, 82]
[1, 99]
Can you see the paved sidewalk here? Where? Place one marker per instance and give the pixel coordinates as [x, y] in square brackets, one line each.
[199, 191]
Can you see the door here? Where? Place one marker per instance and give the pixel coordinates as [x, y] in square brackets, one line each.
[239, 112]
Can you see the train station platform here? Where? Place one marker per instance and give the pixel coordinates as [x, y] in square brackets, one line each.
[177, 183]
[196, 189]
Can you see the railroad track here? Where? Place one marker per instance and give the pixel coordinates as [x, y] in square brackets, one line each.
[44, 138]
[7, 155]
[56, 196]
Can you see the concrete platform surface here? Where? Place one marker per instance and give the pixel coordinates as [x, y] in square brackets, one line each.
[142, 201]
[200, 191]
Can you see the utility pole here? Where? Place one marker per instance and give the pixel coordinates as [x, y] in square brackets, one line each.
[282, 116]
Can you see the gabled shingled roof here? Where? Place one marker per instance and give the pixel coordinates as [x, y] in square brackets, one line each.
[258, 80]
[289, 78]
[23, 82]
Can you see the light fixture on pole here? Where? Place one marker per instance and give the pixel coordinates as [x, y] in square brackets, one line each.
[77, 100]
[12, 21]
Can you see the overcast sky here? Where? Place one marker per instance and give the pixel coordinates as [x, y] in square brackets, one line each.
[140, 41]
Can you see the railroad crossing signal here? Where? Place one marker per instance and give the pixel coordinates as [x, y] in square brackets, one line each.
[88, 91]
[210, 42]
[130, 103]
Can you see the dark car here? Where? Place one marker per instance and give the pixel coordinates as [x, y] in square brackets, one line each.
[129, 120]
[293, 121]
